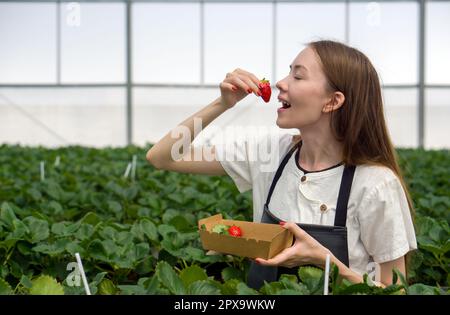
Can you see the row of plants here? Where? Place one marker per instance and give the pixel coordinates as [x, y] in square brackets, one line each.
[138, 235]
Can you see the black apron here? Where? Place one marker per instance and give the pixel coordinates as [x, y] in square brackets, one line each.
[332, 237]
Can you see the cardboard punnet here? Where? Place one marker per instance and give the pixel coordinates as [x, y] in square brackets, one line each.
[258, 239]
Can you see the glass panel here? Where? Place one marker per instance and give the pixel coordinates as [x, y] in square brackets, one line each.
[159, 110]
[437, 43]
[63, 116]
[400, 107]
[302, 23]
[388, 34]
[93, 42]
[437, 112]
[28, 43]
[237, 35]
[166, 43]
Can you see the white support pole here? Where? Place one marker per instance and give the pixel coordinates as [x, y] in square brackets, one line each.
[133, 168]
[42, 170]
[57, 160]
[127, 171]
[327, 275]
[83, 275]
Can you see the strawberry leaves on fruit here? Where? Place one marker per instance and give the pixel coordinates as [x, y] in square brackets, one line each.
[220, 228]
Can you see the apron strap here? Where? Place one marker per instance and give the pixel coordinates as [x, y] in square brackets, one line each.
[340, 218]
[280, 171]
[344, 190]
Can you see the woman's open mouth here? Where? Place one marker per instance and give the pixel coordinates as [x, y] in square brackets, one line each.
[285, 106]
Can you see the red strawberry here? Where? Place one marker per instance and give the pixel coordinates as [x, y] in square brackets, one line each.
[266, 91]
[235, 231]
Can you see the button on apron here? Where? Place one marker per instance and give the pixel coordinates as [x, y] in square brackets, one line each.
[303, 178]
[323, 207]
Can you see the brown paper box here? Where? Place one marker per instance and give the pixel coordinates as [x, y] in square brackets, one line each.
[258, 239]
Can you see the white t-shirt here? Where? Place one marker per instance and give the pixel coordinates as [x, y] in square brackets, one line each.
[379, 223]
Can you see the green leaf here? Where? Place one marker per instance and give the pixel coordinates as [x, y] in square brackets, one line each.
[393, 289]
[197, 254]
[394, 277]
[7, 214]
[132, 289]
[55, 207]
[290, 283]
[34, 194]
[19, 230]
[191, 274]
[131, 192]
[141, 251]
[90, 218]
[165, 230]
[272, 288]
[232, 273]
[313, 278]
[5, 288]
[149, 229]
[402, 278]
[107, 287]
[52, 249]
[334, 275]
[358, 288]
[145, 265]
[220, 228]
[422, 289]
[114, 206]
[175, 197]
[243, 289]
[38, 229]
[436, 250]
[53, 190]
[85, 232]
[438, 234]
[203, 287]
[290, 292]
[97, 251]
[26, 282]
[46, 285]
[181, 224]
[229, 287]
[94, 284]
[152, 285]
[65, 228]
[169, 278]
[3, 271]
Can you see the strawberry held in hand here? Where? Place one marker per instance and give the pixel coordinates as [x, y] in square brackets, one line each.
[266, 91]
[235, 231]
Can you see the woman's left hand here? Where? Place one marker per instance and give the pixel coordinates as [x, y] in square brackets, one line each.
[305, 251]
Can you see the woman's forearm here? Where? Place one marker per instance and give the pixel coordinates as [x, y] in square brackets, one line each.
[344, 271]
[160, 153]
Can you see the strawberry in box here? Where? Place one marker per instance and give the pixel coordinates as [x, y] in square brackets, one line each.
[243, 238]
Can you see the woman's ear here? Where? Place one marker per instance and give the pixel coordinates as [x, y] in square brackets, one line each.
[336, 101]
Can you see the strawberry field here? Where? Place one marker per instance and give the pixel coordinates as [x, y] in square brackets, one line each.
[136, 228]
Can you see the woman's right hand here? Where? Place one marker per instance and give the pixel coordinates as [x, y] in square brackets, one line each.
[237, 85]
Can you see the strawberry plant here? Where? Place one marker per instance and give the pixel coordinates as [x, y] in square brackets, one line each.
[140, 236]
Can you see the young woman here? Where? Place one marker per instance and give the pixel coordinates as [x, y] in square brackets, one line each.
[338, 188]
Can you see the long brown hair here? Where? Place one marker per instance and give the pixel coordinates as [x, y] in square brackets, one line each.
[359, 124]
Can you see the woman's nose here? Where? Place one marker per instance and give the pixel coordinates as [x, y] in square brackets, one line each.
[280, 85]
